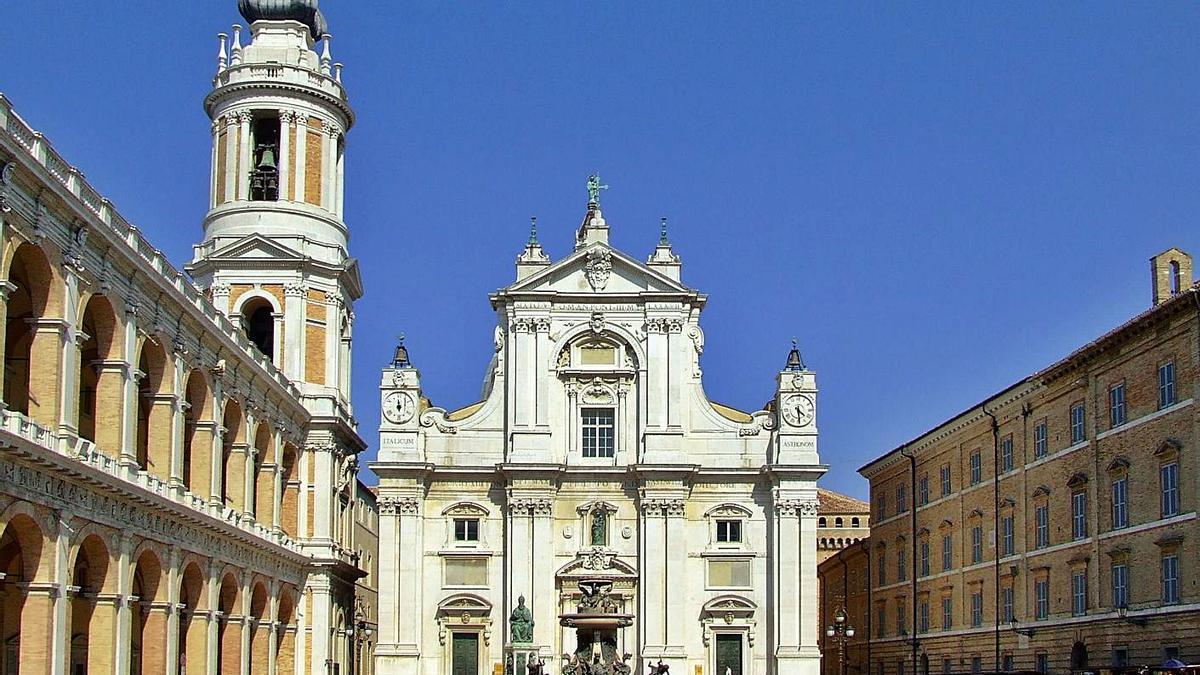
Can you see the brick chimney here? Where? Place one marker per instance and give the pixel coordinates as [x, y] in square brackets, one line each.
[1170, 274]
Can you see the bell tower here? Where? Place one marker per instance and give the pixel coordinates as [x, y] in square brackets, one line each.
[275, 254]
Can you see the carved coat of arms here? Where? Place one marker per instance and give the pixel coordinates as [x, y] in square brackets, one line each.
[598, 268]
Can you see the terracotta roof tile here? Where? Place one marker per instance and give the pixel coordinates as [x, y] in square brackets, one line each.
[836, 502]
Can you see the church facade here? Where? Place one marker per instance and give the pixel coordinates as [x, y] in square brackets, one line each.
[596, 476]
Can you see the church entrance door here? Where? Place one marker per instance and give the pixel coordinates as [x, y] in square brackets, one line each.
[729, 654]
[465, 654]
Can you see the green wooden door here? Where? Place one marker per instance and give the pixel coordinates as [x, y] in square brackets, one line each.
[729, 654]
[465, 654]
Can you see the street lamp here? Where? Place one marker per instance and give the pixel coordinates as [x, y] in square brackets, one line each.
[840, 631]
[362, 633]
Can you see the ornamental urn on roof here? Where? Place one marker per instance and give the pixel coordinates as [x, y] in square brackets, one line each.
[304, 11]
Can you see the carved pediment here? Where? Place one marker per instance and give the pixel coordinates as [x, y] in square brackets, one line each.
[464, 603]
[254, 246]
[728, 510]
[597, 563]
[465, 509]
[599, 269]
[734, 605]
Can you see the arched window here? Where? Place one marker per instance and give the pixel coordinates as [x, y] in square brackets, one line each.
[854, 522]
[259, 322]
[821, 522]
[838, 522]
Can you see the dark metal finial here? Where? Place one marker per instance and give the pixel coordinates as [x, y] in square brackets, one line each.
[794, 361]
[400, 360]
[533, 231]
[662, 237]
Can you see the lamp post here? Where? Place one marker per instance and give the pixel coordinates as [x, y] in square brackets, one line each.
[362, 633]
[840, 631]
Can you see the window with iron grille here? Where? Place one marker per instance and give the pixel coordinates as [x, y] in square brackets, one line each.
[901, 565]
[947, 613]
[923, 490]
[1006, 604]
[881, 566]
[1040, 440]
[901, 498]
[599, 432]
[946, 480]
[924, 558]
[1006, 453]
[1120, 502]
[1166, 385]
[1168, 475]
[923, 616]
[976, 544]
[976, 609]
[1116, 405]
[947, 552]
[902, 617]
[976, 468]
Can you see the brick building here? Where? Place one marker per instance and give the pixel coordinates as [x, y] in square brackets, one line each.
[1055, 522]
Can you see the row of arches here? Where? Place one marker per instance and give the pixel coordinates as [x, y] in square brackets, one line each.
[120, 389]
[145, 615]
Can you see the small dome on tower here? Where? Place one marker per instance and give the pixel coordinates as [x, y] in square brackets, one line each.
[304, 11]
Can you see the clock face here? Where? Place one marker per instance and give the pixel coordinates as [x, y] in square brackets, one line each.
[398, 407]
[798, 410]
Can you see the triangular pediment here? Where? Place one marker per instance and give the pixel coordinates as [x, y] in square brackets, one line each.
[254, 247]
[598, 269]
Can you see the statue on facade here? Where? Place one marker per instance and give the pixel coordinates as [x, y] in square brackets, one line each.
[599, 528]
[521, 622]
[570, 665]
[620, 665]
[535, 667]
[659, 668]
[594, 187]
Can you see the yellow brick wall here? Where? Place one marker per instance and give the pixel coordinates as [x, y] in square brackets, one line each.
[312, 163]
[222, 172]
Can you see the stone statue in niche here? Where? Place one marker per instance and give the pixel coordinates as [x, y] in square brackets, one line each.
[599, 528]
[521, 623]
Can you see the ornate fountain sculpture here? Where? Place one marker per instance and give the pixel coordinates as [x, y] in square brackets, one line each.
[596, 622]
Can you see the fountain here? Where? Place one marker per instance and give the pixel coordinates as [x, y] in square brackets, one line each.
[596, 621]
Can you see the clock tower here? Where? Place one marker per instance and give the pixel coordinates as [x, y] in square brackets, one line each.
[796, 401]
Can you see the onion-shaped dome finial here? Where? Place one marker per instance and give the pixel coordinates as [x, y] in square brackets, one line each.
[304, 11]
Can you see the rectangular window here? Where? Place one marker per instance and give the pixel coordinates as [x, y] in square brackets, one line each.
[976, 544]
[1120, 656]
[947, 666]
[1166, 385]
[923, 490]
[1041, 597]
[901, 617]
[945, 480]
[729, 573]
[1079, 593]
[882, 570]
[923, 616]
[925, 558]
[1006, 454]
[880, 627]
[466, 571]
[976, 468]
[729, 531]
[1040, 440]
[466, 529]
[902, 499]
[599, 432]
[1041, 662]
[1120, 502]
[1008, 663]
[900, 668]
[1170, 578]
[1007, 539]
[976, 665]
[1116, 405]
[1120, 585]
[1042, 526]
[947, 553]
[881, 506]
[1006, 603]
[976, 609]
[901, 565]
[1079, 515]
[1078, 433]
[1168, 475]
[947, 613]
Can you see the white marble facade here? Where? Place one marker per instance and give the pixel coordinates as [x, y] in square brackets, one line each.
[594, 404]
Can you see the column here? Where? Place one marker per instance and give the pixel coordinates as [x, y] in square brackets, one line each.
[277, 482]
[656, 373]
[171, 614]
[129, 391]
[518, 556]
[6, 287]
[245, 155]
[245, 619]
[653, 573]
[545, 595]
[333, 329]
[110, 396]
[412, 567]
[160, 450]
[321, 619]
[46, 367]
[524, 372]
[250, 480]
[301, 157]
[124, 605]
[215, 159]
[675, 371]
[295, 307]
[231, 156]
[389, 581]
[676, 560]
[795, 601]
[39, 621]
[59, 644]
[68, 392]
[178, 404]
[329, 166]
[541, 354]
[286, 119]
[220, 297]
[211, 624]
[810, 629]
[324, 495]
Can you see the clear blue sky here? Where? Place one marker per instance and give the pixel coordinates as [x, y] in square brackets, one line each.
[936, 199]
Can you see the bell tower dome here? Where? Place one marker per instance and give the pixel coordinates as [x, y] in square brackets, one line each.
[275, 255]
